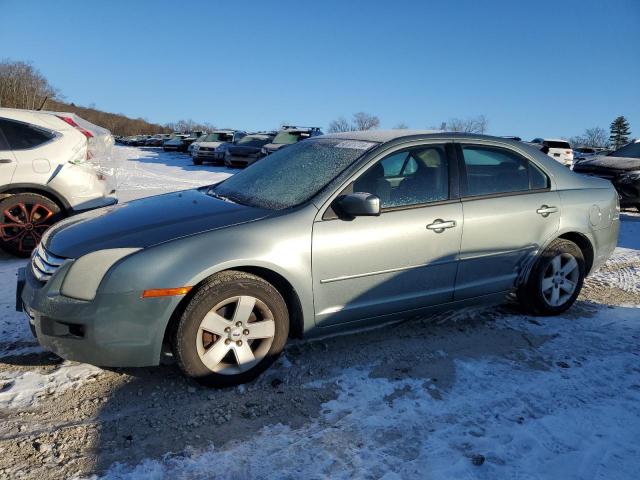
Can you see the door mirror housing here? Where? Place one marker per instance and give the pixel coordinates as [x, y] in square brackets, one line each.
[358, 204]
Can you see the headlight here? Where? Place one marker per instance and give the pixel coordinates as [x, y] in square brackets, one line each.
[630, 176]
[264, 151]
[86, 273]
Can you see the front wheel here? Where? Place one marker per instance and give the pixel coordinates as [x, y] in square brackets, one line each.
[555, 280]
[24, 217]
[234, 327]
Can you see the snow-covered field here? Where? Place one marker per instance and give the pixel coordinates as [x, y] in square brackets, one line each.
[486, 394]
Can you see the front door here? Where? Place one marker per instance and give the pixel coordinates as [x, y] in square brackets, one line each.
[402, 260]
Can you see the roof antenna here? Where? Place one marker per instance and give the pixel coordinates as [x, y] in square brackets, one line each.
[43, 102]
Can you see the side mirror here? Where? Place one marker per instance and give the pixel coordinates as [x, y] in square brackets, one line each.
[359, 204]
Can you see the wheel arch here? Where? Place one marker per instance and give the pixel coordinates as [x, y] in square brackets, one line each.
[14, 189]
[584, 244]
[280, 283]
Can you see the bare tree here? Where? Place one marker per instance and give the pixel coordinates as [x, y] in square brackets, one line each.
[361, 121]
[339, 125]
[22, 86]
[477, 124]
[592, 137]
[401, 126]
[365, 121]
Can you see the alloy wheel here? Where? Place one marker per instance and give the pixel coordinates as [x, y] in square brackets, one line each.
[560, 279]
[235, 335]
[24, 225]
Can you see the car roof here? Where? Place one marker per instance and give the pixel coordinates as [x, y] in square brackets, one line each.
[383, 136]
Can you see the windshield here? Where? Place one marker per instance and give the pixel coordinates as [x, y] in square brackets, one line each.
[289, 137]
[292, 175]
[218, 137]
[254, 141]
[631, 150]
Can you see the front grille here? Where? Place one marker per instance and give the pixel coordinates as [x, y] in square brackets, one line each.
[44, 264]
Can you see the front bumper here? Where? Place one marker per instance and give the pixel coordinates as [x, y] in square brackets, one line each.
[208, 155]
[239, 162]
[113, 330]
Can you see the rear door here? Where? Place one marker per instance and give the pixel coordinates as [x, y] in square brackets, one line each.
[509, 210]
[7, 159]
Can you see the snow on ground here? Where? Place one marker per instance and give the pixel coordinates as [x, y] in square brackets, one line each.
[141, 172]
[567, 407]
[576, 416]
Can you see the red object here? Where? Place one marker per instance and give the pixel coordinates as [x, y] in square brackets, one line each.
[71, 122]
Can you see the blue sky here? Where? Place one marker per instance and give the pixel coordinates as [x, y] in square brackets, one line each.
[540, 68]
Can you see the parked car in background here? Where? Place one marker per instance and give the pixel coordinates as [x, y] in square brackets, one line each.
[621, 168]
[459, 219]
[193, 144]
[157, 140]
[44, 173]
[289, 135]
[214, 145]
[176, 143]
[560, 150]
[247, 150]
[584, 153]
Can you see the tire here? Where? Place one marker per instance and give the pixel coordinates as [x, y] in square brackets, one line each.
[555, 280]
[24, 217]
[197, 162]
[232, 301]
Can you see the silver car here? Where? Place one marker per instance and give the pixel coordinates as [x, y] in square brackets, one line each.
[331, 233]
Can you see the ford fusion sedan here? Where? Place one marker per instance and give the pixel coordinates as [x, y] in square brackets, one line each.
[335, 232]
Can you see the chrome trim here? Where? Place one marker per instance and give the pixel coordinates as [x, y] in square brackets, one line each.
[390, 270]
[44, 264]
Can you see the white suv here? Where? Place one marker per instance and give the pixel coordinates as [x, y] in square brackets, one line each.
[560, 150]
[45, 174]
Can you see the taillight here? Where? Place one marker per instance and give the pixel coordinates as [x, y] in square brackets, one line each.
[71, 122]
[568, 152]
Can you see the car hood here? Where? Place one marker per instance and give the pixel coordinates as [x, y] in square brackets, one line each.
[601, 162]
[146, 222]
[173, 142]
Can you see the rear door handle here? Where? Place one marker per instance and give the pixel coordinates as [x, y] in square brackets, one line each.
[5, 160]
[546, 210]
[440, 225]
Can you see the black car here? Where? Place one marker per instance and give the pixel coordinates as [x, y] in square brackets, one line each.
[247, 150]
[622, 168]
[289, 135]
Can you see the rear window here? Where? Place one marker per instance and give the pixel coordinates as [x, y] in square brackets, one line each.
[22, 136]
[287, 138]
[552, 144]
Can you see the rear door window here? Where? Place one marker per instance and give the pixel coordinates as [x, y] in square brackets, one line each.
[21, 136]
[552, 144]
[494, 170]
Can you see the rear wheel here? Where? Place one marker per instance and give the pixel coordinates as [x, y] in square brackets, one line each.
[555, 280]
[234, 327]
[24, 217]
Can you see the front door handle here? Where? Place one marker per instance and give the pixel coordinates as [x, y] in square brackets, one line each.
[546, 210]
[5, 160]
[440, 225]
